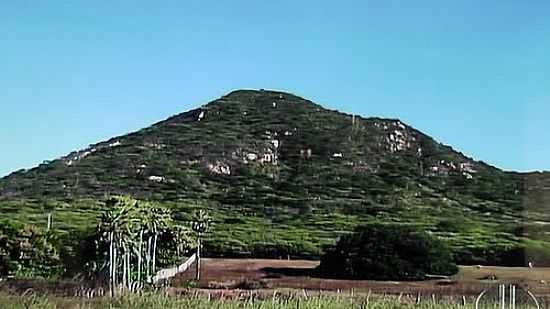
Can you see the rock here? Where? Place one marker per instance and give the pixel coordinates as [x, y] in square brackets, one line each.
[252, 156]
[219, 168]
[201, 116]
[157, 178]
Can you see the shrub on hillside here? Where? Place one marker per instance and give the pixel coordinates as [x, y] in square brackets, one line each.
[387, 252]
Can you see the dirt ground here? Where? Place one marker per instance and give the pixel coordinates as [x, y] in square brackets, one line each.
[297, 274]
[235, 276]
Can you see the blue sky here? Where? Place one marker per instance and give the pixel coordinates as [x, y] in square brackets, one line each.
[473, 74]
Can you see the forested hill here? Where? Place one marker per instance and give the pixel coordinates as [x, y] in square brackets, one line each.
[275, 141]
[294, 172]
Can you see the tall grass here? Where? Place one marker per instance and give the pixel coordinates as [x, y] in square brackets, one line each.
[152, 301]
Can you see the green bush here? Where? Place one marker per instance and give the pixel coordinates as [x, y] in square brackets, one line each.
[28, 252]
[7, 249]
[387, 252]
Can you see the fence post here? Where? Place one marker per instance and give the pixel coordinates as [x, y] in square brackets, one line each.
[368, 297]
[502, 296]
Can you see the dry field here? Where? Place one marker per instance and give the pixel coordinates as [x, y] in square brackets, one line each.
[298, 274]
[226, 277]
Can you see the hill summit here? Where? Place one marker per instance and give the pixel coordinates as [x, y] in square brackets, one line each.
[282, 171]
[274, 135]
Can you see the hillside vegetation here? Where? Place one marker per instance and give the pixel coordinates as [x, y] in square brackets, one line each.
[282, 176]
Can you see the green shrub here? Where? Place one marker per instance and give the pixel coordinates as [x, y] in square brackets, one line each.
[28, 252]
[7, 250]
[387, 252]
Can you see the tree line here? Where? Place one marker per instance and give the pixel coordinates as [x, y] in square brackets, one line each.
[133, 239]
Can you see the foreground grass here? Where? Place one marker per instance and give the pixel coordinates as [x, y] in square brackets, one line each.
[166, 302]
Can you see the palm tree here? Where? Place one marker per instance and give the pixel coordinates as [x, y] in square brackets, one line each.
[155, 220]
[143, 215]
[114, 227]
[132, 229]
[200, 225]
[108, 229]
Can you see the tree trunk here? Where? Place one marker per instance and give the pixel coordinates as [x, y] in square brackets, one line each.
[115, 279]
[124, 266]
[155, 255]
[148, 257]
[129, 269]
[111, 262]
[198, 273]
[139, 256]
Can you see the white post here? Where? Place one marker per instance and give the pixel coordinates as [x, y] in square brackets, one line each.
[514, 297]
[511, 296]
[503, 297]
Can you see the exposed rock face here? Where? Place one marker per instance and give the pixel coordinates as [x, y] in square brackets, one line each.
[219, 168]
[157, 178]
[251, 157]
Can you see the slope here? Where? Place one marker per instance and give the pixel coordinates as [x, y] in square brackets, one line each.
[284, 175]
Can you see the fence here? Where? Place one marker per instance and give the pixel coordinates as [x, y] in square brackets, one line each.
[168, 273]
[507, 297]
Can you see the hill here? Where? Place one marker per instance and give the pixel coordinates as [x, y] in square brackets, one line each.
[283, 175]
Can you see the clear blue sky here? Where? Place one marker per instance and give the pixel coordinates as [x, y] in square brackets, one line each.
[473, 74]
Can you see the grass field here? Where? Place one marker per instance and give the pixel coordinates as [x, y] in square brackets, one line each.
[153, 301]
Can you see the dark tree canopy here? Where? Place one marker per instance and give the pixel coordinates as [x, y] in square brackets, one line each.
[387, 252]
